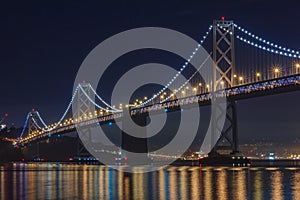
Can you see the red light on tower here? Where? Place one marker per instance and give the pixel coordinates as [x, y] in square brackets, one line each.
[32, 110]
[6, 115]
[222, 18]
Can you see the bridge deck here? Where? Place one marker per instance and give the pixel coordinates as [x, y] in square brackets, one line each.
[258, 89]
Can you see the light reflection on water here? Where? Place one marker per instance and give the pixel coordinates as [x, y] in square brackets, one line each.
[65, 181]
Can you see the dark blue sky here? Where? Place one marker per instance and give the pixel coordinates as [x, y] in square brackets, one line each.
[42, 44]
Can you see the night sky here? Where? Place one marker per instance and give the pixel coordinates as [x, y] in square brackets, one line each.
[43, 43]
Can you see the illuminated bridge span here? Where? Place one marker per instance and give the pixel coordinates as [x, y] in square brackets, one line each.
[249, 66]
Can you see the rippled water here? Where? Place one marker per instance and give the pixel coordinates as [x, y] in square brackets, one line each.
[70, 181]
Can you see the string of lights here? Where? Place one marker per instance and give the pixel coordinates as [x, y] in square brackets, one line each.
[272, 44]
[46, 127]
[63, 116]
[34, 121]
[95, 104]
[283, 51]
[187, 81]
[104, 102]
[43, 122]
[178, 72]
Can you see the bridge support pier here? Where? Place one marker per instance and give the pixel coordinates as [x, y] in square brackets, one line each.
[81, 150]
[228, 141]
[134, 144]
[37, 150]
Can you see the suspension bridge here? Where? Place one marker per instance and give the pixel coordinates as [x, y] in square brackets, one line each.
[249, 65]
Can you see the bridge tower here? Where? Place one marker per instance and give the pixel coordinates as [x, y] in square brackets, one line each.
[84, 109]
[223, 54]
[223, 77]
[135, 144]
[84, 106]
[32, 127]
[32, 122]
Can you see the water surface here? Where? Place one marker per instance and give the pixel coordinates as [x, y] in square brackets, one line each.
[72, 181]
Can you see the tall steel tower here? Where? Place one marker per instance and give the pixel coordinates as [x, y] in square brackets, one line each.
[84, 110]
[223, 77]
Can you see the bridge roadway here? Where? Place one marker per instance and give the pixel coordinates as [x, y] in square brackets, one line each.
[246, 91]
